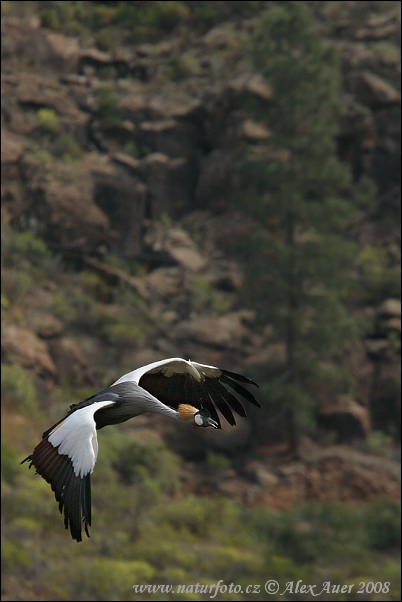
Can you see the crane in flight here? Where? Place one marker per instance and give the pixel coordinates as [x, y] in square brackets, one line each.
[184, 390]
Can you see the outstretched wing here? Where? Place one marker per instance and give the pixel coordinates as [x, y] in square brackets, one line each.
[66, 458]
[175, 381]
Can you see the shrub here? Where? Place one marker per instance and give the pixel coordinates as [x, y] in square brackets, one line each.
[75, 307]
[379, 276]
[9, 461]
[137, 463]
[108, 107]
[122, 330]
[384, 525]
[100, 578]
[27, 261]
[200, 517]
[48, 120]
[205, 299]
[24, 250]
[67, 148]
[217, 461]
[18, 389]
[16, 285]
[14, 556]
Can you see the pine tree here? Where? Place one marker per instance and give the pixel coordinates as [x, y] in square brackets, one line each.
[300, 258]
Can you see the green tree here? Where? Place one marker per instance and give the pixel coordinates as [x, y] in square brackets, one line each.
[300, 258]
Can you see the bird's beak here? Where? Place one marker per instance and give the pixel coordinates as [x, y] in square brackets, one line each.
[213, 423]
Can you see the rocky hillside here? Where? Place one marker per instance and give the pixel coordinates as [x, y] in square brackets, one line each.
[121, 129]
[120, 157]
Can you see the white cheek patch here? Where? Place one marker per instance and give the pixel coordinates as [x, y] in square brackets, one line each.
[198, 420]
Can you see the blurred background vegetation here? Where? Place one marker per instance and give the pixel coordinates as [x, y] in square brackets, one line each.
[291, 264]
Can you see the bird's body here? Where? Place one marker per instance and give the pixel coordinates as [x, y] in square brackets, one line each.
[177, 388]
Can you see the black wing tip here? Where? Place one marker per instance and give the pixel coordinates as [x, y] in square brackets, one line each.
[71, 492]
[240, 378]
[77, 536]
[75, 532]
[239, 388]
[253, 401]
[27, 459]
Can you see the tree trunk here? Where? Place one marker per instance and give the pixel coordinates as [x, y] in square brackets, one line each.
[291, 370]
[292, 432]
[291, 332]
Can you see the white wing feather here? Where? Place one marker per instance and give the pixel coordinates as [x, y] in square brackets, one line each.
[169, 367]
[76, 438]
[205, 370]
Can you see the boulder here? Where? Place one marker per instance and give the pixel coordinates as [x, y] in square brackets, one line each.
[188, 257]
[388, 318]
[12, 150]
[371, 90]
[122, 198]
[254, 84]
[260, 87]
[339, 473]
[169, 136]
[224, 275]
[377, 348]
[390, 308]
[348, 419]
[36, 91]
[33, 47]
[178, 244]
[170, 184]
[65, 210]
[72, 363]
[255, 131]
[226, 331]
[215, 181]
[21, 346]
[380, 26]
[167, 283]
[93, 58]
[176, 104]
[258, 473]
[111, 136]
[65, 50]
[135, 108]
[45, 325]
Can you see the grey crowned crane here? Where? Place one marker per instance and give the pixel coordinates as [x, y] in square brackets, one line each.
[181, 389]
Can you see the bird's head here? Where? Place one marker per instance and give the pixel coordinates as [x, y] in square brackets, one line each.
[196, 417]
